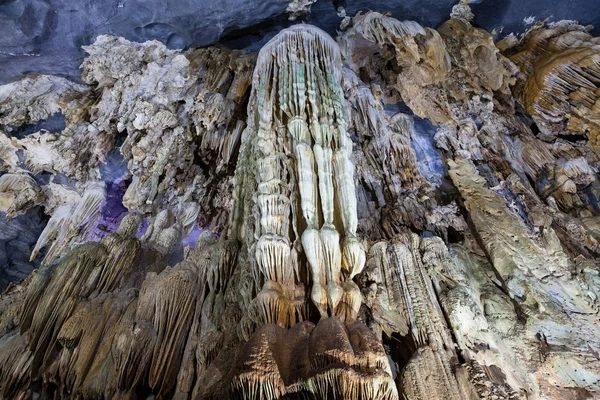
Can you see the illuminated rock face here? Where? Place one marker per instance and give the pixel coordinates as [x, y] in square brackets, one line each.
[341, 249]
[300, 109]
[559, 88]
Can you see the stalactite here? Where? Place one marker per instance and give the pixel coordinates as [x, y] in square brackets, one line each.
[47, 308]
[559, 86]
[37, 98]
[19, 192]
[169, 306]
[71, 222]
[299, 101]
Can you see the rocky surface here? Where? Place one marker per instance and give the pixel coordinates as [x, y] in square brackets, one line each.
[42, 37]
[17, 240]
[401, 212]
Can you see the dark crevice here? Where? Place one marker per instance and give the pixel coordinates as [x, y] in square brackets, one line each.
[534, 128]
[592, 199]
[446, 192]
[574, 138]
[401, 348]
[55, 123]
[455, 236]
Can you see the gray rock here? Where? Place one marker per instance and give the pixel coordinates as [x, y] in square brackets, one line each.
[45, 36]
[17, 238]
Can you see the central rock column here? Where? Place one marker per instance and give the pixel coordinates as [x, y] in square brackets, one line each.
[304, 195]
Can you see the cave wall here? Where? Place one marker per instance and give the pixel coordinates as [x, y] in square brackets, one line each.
[400, 212]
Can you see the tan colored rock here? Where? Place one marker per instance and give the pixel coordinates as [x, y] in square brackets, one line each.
[330, 358]
[557, 87]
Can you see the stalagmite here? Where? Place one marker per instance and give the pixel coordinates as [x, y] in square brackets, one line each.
[348, 362]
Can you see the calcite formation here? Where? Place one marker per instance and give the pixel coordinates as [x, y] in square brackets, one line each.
[559, 83]
[300, 111]
[400, 212]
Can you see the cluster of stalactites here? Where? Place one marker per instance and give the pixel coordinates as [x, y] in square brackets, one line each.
[65, 314]
[403, 58]
[378, 28]
[85, 313]
[71, 222]
[561, 65]
[300, 104]
[407, 304]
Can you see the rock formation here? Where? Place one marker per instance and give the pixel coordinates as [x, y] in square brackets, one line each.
[400, 212]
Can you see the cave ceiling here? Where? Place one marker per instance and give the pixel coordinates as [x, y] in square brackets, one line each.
[45, 37]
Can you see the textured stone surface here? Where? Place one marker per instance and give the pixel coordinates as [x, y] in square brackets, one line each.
[392, 213]
[38, 36]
